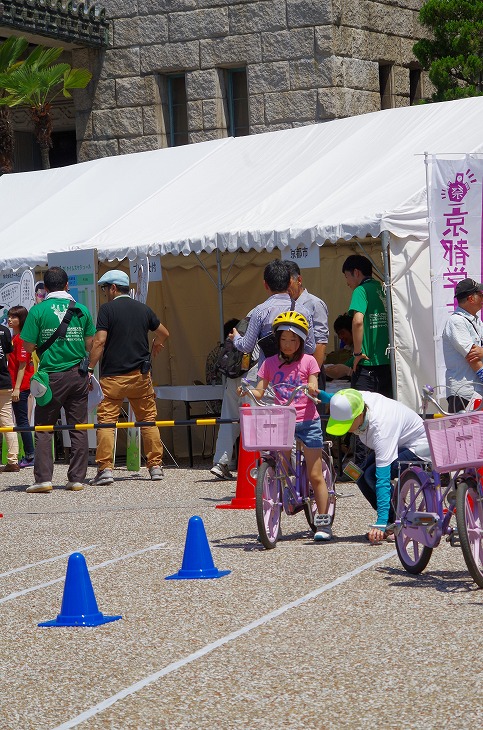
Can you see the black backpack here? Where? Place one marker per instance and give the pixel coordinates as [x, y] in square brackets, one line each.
[231, 362]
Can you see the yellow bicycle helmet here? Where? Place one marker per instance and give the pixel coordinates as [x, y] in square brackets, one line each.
[292, 321]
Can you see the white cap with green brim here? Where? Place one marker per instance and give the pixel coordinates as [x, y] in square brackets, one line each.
[345, 406]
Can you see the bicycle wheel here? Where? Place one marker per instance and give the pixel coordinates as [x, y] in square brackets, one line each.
[268, 505]
[469, 518]
[413, 555]
[311, 508]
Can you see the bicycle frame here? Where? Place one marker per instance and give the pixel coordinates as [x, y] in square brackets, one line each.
[421, 516]
[429, 526]
[294, 483]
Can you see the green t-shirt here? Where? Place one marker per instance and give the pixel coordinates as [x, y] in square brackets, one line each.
[368, 298]
[42, 321]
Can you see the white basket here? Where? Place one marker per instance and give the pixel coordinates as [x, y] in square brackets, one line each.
[456, 441]
[270, 428]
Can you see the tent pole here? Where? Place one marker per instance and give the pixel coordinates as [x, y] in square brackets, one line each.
[390, 322]
[219, 287]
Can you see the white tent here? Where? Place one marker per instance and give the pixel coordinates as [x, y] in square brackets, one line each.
[359, 176]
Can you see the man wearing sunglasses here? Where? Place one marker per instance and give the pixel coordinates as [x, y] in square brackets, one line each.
[463, 346]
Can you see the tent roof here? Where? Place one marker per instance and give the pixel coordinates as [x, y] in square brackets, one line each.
[349, 177]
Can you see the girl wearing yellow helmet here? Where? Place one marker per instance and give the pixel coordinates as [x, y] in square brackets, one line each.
[285, 371]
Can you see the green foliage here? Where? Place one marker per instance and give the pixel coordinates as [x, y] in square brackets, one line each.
[10, 52]
[39, 80]
[454, 55]
[35, 82]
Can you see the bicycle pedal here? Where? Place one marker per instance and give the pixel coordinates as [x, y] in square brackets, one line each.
[422, 519]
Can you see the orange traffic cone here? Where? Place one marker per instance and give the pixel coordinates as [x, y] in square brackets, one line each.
[245, 484]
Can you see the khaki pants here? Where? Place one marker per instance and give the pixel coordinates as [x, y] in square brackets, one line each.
[6, 419]
[138, 389]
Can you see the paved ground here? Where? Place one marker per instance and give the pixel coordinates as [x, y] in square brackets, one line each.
[303, 636]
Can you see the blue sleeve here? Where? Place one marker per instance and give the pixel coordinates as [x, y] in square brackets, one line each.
[324, 397]
[383, 494]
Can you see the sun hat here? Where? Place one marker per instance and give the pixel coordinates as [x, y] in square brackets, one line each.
[114, 277]
[40, 387]
[345, 406]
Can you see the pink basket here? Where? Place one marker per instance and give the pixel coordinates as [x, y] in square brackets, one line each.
[269, 428]
[456, 441]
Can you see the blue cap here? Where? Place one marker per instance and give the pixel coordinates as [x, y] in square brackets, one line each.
[115, 277]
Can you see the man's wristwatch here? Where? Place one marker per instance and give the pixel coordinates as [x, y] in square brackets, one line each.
[356, 354]
[90, 370]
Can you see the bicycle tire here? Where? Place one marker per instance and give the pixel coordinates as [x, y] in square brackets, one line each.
[311, 509]
[413, 555]
[469, 519]
[268, 505]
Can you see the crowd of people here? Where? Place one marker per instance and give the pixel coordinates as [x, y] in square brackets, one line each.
[60, 334]
[50, 353]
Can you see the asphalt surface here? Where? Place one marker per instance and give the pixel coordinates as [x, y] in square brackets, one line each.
[335, 635]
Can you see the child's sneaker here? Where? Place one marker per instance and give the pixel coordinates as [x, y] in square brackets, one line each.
[25, 462]
[323, 530]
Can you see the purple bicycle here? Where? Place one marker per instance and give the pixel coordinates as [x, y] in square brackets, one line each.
[282, 483]
[427, 499]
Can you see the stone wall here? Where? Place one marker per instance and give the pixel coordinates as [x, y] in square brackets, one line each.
[307, 61]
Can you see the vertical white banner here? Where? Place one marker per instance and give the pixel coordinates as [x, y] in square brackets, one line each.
[455, 237]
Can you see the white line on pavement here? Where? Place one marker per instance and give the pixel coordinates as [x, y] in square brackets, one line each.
[101, 706]
[11, 596]
[43, 562]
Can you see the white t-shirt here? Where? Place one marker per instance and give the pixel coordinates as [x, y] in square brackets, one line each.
[393, 426]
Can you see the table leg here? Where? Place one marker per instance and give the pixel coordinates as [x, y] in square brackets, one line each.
[190, 441]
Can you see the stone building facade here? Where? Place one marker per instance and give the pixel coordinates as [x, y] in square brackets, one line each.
[183, 71]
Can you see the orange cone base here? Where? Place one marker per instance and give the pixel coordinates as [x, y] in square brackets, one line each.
[239, 503]
[245, 484]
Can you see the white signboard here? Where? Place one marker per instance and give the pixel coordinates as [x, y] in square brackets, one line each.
[81, 270]
[455, 234]
[307, 257]
[17, 289]
[155, 271]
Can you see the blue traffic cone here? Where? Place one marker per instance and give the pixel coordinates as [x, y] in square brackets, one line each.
[197, 560]
[79, 605]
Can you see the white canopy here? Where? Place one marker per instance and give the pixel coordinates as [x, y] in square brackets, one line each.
[350, 177]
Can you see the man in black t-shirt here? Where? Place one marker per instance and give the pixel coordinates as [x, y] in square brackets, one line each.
[121, 340]
[6, 418]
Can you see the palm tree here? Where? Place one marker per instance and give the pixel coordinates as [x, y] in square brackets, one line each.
[36, 83]
[10, 52]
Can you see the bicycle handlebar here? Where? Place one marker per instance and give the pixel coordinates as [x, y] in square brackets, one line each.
[246, 390]
[428, 393]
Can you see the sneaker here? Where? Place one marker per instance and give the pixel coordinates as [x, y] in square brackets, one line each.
[24, 462]
[11, 467]
[40, 487]
[323, 530]
[156, 473]
[74, 486]
[103, 476]
[221, 471]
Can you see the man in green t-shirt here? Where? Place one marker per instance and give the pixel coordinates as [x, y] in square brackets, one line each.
[59, 364]
[371, 370]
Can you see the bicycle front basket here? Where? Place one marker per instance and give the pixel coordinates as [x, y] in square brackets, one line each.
[269, 428]
[456, 441]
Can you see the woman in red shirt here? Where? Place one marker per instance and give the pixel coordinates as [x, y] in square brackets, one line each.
[21, 369]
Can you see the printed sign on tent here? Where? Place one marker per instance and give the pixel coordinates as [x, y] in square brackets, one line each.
[155, 270]
[455, 236]
[307, 257]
